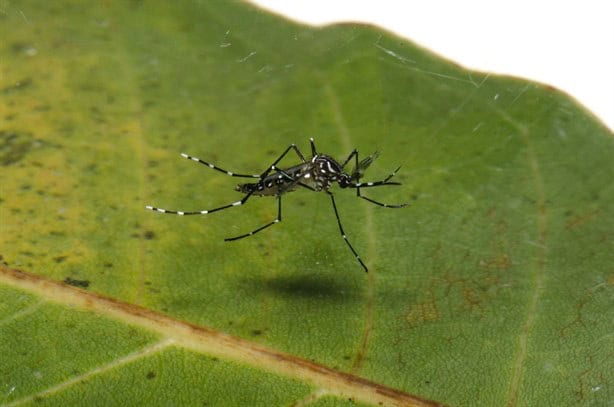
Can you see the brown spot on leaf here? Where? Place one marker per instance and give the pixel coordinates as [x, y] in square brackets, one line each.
[580, 219]
[422, 312]
[499, 261]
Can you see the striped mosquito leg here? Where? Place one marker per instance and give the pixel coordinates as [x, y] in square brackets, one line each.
[359, 185]
[332, 198]
[273, 167]
[403, 205]
[378, 183]
[313, 147]
[202, 212]
[354, 153]
[215, 167]
[392, 174]
[253, 232]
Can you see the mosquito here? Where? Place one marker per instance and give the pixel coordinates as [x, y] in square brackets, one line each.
[317, 174]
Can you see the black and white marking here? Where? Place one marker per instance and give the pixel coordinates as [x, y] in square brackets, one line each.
[317, 174]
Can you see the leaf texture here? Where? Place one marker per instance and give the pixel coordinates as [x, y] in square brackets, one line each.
[494, 287]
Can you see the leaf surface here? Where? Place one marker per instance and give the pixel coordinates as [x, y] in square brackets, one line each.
[494, 287]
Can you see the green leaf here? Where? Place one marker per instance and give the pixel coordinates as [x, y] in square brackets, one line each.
[494, 287]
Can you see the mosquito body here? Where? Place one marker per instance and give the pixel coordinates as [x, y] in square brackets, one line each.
[319, 173]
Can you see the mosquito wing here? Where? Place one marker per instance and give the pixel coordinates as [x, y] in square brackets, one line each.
[359, 171]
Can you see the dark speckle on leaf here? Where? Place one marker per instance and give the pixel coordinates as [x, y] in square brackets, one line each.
[59, 259]
[77, 283]
[148, 234]
[151, 375]
[13, 146]
[19, 85]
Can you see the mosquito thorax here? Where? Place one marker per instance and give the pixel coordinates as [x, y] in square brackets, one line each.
[327, 164]
[325, 171]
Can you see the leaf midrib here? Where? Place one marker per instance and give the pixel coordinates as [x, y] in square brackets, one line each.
[370, 289]
[539, 262]
[208, 341]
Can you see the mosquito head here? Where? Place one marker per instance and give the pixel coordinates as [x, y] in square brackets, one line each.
[344, 180]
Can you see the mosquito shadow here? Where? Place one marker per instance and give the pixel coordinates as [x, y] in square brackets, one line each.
[307, 286]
